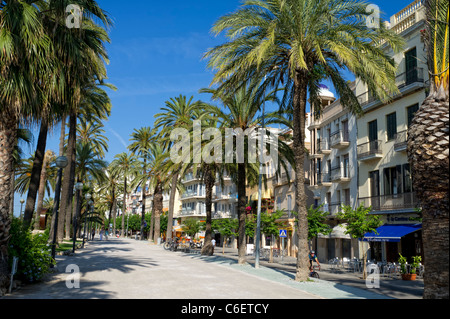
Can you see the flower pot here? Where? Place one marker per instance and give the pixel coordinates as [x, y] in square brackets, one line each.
[409, 276]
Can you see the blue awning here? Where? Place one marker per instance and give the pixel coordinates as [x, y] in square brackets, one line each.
[392, 232]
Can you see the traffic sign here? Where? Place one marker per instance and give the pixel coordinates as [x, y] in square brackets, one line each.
[283, 233]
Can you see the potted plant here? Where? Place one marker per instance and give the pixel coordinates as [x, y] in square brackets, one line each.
[415, 264]
[408, 274]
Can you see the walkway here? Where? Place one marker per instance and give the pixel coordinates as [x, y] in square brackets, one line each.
[131, 269]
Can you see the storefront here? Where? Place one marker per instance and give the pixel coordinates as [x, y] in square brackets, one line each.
[390, 240]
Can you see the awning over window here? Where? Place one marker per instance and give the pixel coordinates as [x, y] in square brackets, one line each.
[392, 232]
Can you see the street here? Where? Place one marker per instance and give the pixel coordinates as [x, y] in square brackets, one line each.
[131, 269]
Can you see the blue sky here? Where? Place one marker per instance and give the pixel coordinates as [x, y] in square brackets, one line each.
[155, 54]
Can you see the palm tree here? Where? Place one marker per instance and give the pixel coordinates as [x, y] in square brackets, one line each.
[124, 166]
[92, 132]
[243, 113]
[295, 44]
[428, 153]
[142, 140]
[25, 57]
[179, 113]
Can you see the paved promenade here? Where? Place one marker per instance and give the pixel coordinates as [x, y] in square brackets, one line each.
[131, 269]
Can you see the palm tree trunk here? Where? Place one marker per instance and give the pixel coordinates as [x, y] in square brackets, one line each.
[208, 248]
[68, 181]
[124, 206]
[61, 153]
[35, 174]
[41, 192]
[143, 211]
[299, 109]
[8, 136]
[158, 196]
[241, 213]
[171, 204]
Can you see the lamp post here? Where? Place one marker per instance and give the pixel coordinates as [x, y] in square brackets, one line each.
[258, 216]
[78, 188]
[61, 163]
[88, 206]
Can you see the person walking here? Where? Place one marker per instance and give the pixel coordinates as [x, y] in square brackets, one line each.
[93, 234]
[101, 233]
[213, 242]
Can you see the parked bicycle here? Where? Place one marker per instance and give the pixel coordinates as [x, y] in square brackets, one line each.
[171, 244]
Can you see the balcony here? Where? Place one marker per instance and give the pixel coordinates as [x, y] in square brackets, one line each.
[189, 212]
[323, 147]
[324, 179]
[187, 195]
[190, 177]
[340, 175]
[339, 139]
[333, 208]
[221, 196]
[401, 140]
[390, 202]
[406, 82]
[369, 151]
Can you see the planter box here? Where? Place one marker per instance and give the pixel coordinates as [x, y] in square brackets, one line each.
[409, 276]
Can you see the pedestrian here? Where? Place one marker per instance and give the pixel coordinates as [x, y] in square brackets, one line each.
[101, 233]
[213, 242]
[93, 234]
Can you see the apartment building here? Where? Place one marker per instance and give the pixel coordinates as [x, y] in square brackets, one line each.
[333, 167]
[384, 171]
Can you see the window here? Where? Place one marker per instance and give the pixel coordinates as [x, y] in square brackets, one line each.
[373, 131]
[391, 125]
[346, 166]
[411, 111]
[279, 200]
[407, 180]
[347, 197]
[390, 181]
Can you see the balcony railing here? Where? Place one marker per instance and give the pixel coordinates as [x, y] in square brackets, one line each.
[369, 150]
[402, 80]
[401, 140]
[192, 194]
[333, 208]
[339, 139]
[323, 147]
[324, 179]
[390, 202]
[340, 174]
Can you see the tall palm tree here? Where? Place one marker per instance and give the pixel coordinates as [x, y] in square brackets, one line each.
[178, 113]
[142, 140]
[428, 153]
[92, 132]
[125, 167]
[295, 44]
[25, 57]
[241, 112]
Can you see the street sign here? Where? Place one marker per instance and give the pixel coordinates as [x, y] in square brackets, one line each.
[283, 233]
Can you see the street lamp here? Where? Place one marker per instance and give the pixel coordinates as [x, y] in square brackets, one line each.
[78, 188]
[258, 216]
[61, 163]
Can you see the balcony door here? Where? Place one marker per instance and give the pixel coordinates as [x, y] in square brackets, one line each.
[373, 136]
[411, 66]
[374, 184]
